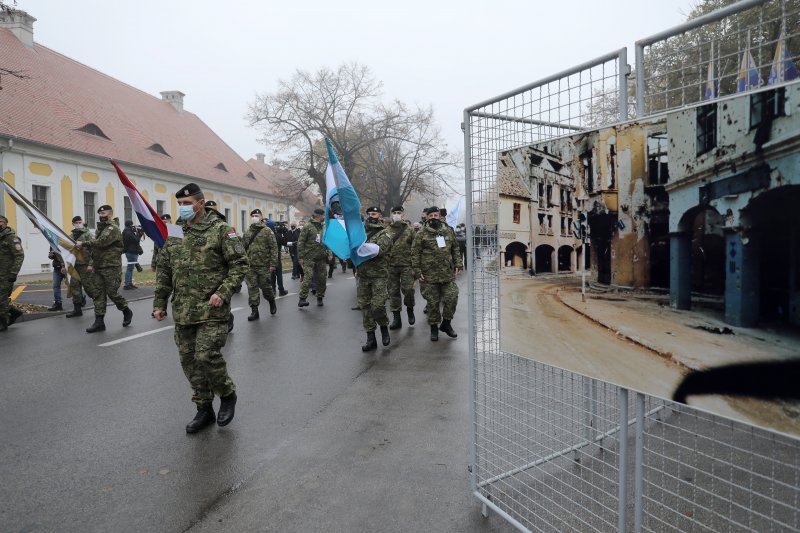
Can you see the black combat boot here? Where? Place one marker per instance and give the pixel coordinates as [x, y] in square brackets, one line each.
[230, 322]
[396, 321]
[55, 307]
[447, 328]
[302, 303]
[3, 325]
[99, 325]
[319, 302]
[76, 311]
[283, 292]
[385, 335]
[272, 307]
[372, 343]
[204, 418]
[434, 332]
[254, 315]
[411, 317]
[127, 316]
[227, 408]
[13, 315]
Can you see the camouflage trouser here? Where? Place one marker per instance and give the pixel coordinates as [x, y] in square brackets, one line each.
[318, 267]
[105, 283]
[199, 346]
[5, 293]
[371, 294]
[77, 286]
[445, 294]
[401, 283]
[258, 279]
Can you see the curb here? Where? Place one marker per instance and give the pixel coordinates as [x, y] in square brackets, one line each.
[46, 314]
[635, 340]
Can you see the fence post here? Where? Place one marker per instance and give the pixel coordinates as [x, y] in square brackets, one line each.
[638, 469]
[623, 460]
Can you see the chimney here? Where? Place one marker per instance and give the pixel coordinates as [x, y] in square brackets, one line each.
[20, 24]
[175, 98]
[261, 157]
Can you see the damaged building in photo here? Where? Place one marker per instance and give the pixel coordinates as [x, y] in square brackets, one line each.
[697, 201]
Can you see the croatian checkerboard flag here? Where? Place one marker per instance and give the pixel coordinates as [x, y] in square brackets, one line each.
[344, 234]
[151, 223]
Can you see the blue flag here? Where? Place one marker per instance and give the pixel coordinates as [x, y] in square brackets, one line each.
[783, 68]
[712, 88]
[344, 230]
[749, 78]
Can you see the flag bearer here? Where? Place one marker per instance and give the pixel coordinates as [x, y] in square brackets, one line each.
[106, 248]
[436, 261]
[201, 272]
[82, 266]
[372, 277]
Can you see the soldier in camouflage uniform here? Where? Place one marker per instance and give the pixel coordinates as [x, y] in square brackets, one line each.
[372, 277]
[401, 277]
[82, 264]
[11, 257]
[201, 272]
[436, 260]
[313, 257]
[262, 252]
[106, 248]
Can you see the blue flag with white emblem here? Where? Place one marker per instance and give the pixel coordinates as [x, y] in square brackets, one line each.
[344, 230]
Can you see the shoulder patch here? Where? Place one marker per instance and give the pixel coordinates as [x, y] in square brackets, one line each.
[238, 248]
[232, 235]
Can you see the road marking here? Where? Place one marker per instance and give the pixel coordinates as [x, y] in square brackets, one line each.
[285, 295]
[146, 333]
[138, 335]
[18, 291]
[31, 290]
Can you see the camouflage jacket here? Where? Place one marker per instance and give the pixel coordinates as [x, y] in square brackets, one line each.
[209, 259]
[84, 235]
[400, 255]
[107, 245]
[378, 266]
[261, 246]
[309, 244]
[436, 263]
[11, 254]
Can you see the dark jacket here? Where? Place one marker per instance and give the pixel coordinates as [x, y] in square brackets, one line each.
[130, 241]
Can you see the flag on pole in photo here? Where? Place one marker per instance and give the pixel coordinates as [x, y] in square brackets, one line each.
[151, 223]
[59, 242]
[783, 68]
[749, 78]
[454, 213]
[353, 240]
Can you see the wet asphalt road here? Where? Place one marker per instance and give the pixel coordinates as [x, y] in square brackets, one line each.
[93, 425]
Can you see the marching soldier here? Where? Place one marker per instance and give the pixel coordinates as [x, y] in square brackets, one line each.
[262, 252]
[106, 249]
[212, 206]
[82, 265]
[11, 257]
[436, 260]
[372, 276]
[401, 276]
[201, 271]
[313, 257]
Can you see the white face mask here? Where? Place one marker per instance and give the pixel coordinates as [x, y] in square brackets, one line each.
[255, 220]
[397, 218]
[77, 226]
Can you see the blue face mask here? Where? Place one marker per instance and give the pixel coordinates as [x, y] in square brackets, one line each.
[185, 212]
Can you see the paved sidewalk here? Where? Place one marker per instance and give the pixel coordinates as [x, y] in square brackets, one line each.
[649, 321]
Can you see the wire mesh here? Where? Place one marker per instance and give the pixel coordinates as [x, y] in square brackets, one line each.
[712, 60]
[545, 448]
[705, 472]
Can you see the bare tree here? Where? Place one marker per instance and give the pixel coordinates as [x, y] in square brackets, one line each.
[341, 105]
[413, 160]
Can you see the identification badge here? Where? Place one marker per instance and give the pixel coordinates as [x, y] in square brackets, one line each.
[317, 239]
[440, 241]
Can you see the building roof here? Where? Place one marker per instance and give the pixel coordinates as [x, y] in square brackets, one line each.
[60, 97]
[511, 183]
